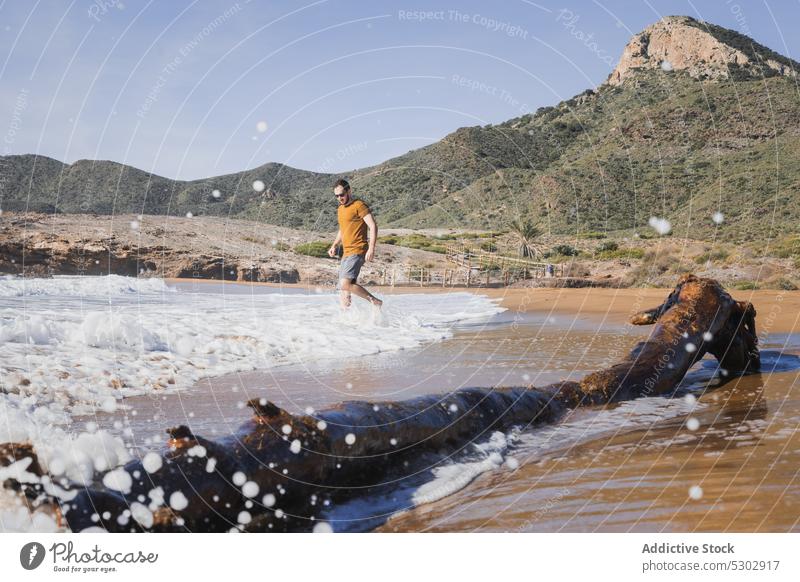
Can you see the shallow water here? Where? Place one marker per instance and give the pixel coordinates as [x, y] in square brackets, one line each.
[636, 466]
[617, 468]
[504, 349]
[87, 362]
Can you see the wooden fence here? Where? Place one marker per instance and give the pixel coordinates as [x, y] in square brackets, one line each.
[470, 269]
[483, 260]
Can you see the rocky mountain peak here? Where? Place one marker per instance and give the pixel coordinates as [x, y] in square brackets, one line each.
[703, 50]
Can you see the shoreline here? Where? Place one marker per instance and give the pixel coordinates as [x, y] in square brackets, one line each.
[589, 451]
[778, 311]
[220, 248]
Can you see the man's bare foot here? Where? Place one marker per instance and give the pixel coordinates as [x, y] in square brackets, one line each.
[346, 300]
[377, 302]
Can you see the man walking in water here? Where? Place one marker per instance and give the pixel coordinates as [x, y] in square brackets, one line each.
[354, 221]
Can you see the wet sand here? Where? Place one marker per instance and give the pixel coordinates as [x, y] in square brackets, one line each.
[620, 468]
[778, 311]
[743, 457]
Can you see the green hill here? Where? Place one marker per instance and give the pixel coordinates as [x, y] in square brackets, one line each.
[681, 149]
[676, 132]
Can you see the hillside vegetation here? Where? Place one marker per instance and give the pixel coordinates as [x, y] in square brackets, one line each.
[668, 142]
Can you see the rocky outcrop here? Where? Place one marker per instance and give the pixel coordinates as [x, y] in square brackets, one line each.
[30, 249]
[40, 245]
[47, 255]
[704, 51]
[208, 267]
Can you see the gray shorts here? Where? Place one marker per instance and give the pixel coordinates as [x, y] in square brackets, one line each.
[351, 267]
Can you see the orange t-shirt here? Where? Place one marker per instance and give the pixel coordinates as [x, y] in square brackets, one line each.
[354, 229]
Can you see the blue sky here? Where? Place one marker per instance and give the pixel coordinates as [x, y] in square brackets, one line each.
[194, 89]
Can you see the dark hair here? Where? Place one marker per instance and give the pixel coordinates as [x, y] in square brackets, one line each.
[343, 183]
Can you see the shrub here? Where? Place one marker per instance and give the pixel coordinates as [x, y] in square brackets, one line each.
[415, 241]
[489, 247]
[783, 284]
[609, 245]
[717, 255]
[564, 250]
[621, 254]
[282, 246]
[592, 234]
[576, 270]
[659, 262]
[317, 249]
[745, 285]
[788, 247]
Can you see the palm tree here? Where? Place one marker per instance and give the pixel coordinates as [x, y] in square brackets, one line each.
[526, 232]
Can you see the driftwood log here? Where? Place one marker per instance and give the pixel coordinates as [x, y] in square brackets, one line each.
[280, 467]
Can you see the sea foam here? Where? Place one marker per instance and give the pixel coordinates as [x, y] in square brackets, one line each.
[80, 345]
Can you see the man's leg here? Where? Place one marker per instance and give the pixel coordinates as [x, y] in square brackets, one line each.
[349, 286]
[344, 293]
[364, 294]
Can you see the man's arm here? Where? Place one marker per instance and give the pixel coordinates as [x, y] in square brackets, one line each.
[332, 250]
[373, 236]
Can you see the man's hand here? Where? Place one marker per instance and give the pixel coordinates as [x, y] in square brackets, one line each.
[332, 251]
[373, 236]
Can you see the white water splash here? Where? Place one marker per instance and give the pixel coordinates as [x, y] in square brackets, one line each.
[80, 345]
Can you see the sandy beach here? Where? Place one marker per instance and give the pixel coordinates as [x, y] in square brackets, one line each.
[626, 467]
[193, 352]
[778, 311]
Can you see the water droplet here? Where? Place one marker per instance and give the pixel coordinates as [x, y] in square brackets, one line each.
[660, 225]
[250, 489]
